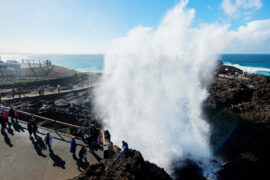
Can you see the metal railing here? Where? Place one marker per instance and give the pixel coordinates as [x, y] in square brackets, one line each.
[59, 122]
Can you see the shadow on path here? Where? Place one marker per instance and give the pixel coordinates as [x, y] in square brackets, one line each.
[18, 127]
[57, 161]
[82, 165]
[10, 131]
[6, 138]
[60, 137]
[38, 147]
[40, 142]
[96, 156]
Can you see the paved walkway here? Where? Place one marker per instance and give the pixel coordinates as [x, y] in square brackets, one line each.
[232, 77]
[21, 158]
[35, 94]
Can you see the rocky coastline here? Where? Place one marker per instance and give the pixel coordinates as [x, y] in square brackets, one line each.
[237, 109]
[131, 167]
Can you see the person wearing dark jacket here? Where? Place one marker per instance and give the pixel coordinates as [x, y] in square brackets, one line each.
[48, 139]
[30, 129]
[34, 126]
[125, 149]
[82, 155]
[2, 121]
[11, 113]
[13, 93]
[16, 115]
[6, 118]
[73, 146]
[91, 137]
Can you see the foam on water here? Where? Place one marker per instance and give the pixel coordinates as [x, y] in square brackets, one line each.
[250, 70]
[151, 91]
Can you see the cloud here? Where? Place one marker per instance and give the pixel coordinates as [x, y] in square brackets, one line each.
[228, 7]
[254, 37]
[237, 7]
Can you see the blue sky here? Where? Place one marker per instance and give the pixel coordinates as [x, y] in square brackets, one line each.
[88, 26]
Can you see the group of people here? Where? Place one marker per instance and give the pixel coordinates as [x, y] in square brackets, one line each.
[48, 140]
[5, 114]
[20, 91]
[82, 151]
[92, 136]
[32, 129]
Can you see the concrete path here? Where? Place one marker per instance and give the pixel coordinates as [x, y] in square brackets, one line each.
[232, 77]
[22, 158]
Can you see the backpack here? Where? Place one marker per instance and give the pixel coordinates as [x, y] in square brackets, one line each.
[16, 113]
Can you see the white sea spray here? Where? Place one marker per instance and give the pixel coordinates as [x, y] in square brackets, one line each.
[151, 92]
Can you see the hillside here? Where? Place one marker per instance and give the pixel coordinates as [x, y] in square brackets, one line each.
[10, 75]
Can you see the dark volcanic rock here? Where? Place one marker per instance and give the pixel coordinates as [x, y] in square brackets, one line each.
[74, 108]
[131, 167]
[187, 170]
[238, 109]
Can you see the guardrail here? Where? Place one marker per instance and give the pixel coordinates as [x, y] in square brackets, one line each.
[60, 123]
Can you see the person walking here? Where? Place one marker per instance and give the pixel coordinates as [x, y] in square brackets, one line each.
[39, 91]
[42, 90]
[30, 128]
[70, 86]
[16, 115]
[2, 121]
[73, 146]
[95, 137]
[5, 116]
[34, 126]
[13, 93]
[48, 138]
[58, 88]
[19, 92]
[23, 91]
[11, 113]
[2, 109]
[82, 155]
[91, 138]
[88, 139]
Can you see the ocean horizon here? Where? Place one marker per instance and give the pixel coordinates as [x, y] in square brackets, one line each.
[251, 63]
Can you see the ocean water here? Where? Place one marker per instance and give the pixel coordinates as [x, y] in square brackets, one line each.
[83, 63]
[251, 63]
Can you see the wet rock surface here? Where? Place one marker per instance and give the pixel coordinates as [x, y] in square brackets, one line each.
[131, 167]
